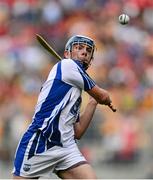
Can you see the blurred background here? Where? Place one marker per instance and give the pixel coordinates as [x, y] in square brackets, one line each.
[118, 145]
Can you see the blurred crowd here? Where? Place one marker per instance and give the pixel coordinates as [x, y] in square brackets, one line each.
[123, 65]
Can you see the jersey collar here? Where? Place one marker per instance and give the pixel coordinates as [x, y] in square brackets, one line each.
[79, 63]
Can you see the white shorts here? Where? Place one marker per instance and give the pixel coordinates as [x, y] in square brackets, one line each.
[53, 160]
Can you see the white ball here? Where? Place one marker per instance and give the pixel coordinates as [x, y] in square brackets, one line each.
[124, 19]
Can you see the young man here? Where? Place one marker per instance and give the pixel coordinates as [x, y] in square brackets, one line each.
[49, 144]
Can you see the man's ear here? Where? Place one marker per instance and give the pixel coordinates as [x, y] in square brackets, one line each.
[67, 54]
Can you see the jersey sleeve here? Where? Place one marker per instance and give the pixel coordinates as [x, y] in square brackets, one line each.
[76, 76]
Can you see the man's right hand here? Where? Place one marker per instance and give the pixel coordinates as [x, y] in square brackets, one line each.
[101, 96]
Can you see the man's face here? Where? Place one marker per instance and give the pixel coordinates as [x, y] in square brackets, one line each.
[81, 52]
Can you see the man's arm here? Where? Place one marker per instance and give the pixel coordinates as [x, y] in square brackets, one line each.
[85, 118]
[100, 95]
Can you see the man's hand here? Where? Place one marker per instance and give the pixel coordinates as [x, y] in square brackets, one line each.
[101, 96]
[105, 98]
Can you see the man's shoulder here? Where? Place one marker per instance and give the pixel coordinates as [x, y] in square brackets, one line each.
[74, 63]
[68, 62]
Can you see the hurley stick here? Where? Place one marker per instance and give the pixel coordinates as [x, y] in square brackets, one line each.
[47, 47]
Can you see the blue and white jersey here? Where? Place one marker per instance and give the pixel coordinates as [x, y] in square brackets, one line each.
[57, 108]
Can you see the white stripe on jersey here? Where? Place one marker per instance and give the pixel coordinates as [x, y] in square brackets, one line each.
[56, 110]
